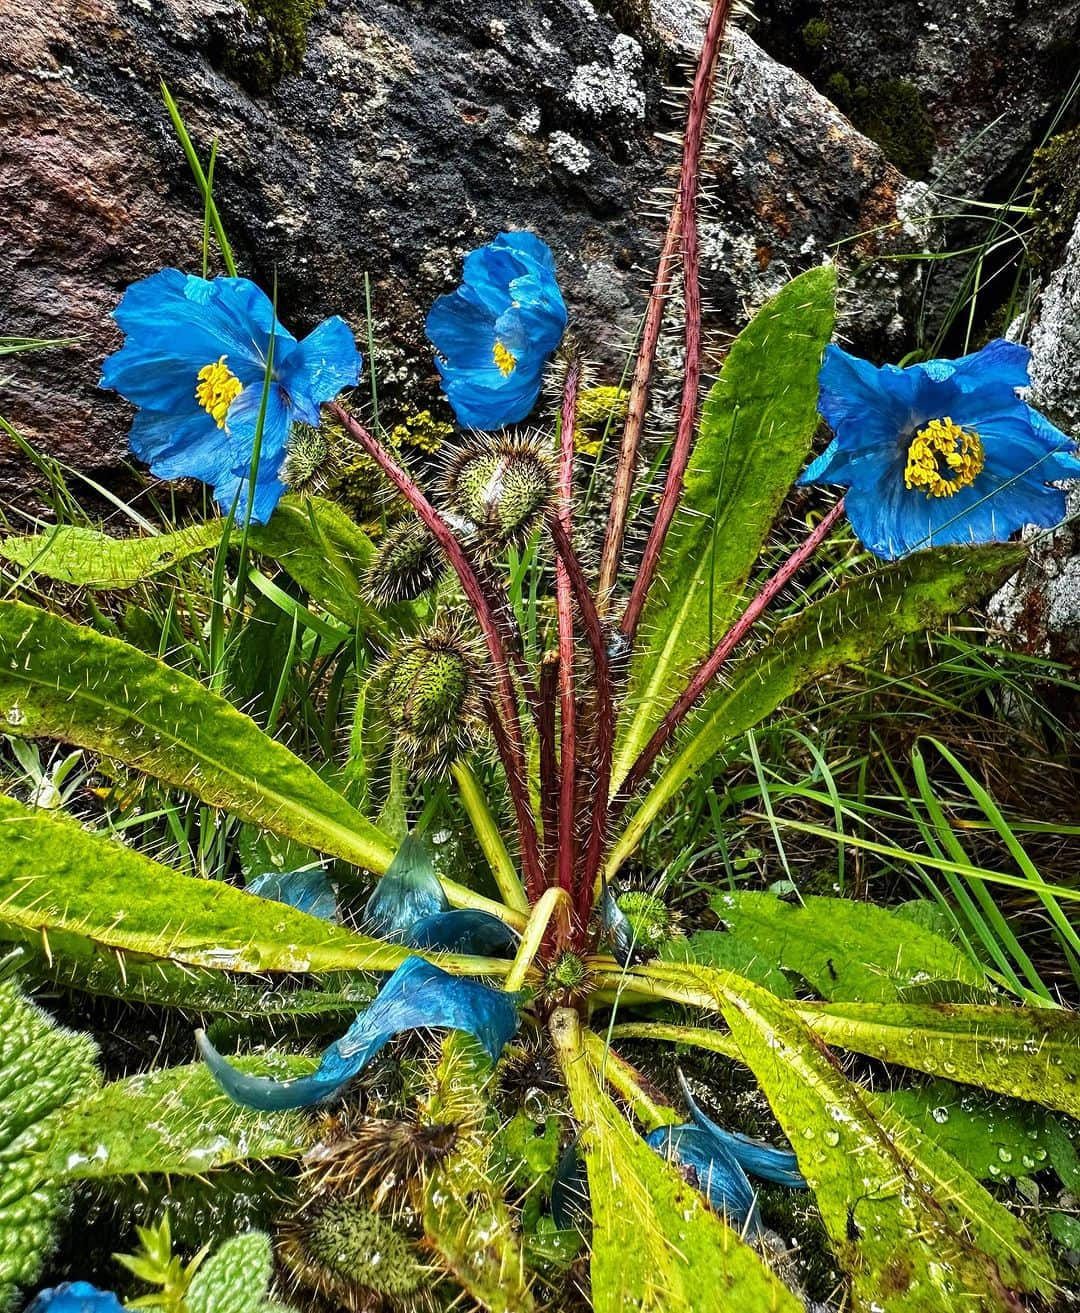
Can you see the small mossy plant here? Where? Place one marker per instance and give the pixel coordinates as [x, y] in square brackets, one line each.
[282, 32]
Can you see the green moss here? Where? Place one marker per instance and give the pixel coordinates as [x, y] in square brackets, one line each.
[814, 33]
[1055, 178]
[891, 112]
[283, 27]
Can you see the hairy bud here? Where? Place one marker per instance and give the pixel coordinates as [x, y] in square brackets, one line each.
[409, 562]
[504, 486]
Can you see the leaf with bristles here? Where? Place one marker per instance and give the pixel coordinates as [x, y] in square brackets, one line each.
[850, 624]
[756, 429]
[656, 1246]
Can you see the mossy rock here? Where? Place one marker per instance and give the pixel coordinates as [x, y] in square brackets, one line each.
[1055, 178]
[280, 45]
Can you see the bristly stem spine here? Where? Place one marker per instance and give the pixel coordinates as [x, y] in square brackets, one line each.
[710, 667]
[567, 840]
[686, 204]
[506, 725]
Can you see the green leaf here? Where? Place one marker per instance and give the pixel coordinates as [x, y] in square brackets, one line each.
[994, 1138]
[717, 948]
[843, 949]
[915, 1232]
[234, 1278]
[64, 681]
[42, 1067]
[848, 625]
[76, 892]
[75, 555]
[757, 425]
[1025, 1053]
[655, 1243]
[175, 1121]
[465, 1214]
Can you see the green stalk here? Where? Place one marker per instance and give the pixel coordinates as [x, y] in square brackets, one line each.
[491, 841]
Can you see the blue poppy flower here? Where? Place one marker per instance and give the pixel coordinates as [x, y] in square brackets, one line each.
[409, 906]
[418, 996]
[494, 333]
[308, 891]
[194, 362]
[75, 1297]
[940, 452]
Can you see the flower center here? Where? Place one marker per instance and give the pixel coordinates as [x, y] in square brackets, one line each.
[943, 458]
[217, 388]
[505, 359]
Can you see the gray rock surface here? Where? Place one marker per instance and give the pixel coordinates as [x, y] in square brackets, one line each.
[410, 132]
[1040, 606]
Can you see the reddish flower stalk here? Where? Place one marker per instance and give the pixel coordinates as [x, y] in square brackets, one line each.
[710, 667]
[549, 765]
[605, 723]
[686, 203]
[565, 612]
[635, 412]
[507, 730]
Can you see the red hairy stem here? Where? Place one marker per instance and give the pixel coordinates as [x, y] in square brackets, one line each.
[503, 615]
[605, 723]
[686, 201]
[710, 667]
[567, 840]
[507, 730]
[549, 766]
[637, 406]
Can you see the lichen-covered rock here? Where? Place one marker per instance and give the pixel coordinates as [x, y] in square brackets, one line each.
[387, 137]
[1040, 606]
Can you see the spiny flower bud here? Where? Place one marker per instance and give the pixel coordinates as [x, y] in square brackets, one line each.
[353, 1258]
[504, 486]
[409, 562]
[433, 699]
[313, 456]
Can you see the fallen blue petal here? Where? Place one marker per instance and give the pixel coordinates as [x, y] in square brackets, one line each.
[570, 1190]
[465, 930]
[417, 996]
[308, 891]
[754, 1156]
[409, 891]
[711, 1168]
[620, 933]
[75, 1297]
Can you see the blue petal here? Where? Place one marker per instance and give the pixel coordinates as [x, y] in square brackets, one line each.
[307, 890]
[319, 367]
[1003, 362]
[487, 401]
[570, 1190]
[406, 894]
[754, 1156]
[712, 1169]
[241, 424]
[462, 330]
[465, 930]
[74, 1297]
[862, 404]
[417, 996]
[180, 446]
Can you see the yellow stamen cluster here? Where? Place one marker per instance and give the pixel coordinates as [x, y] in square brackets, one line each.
[217, 388]
[943, 458]
[505, 359]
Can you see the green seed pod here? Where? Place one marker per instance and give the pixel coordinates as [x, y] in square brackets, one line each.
[353, 1258]
[408, 564]
[651, 922]
[306, 457]
[504, 486]
[432, 695]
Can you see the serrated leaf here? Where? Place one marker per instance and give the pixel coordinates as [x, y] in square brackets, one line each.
[42, 1067]
[717, 948]
[234, 1278]
[843, 949]
[914, 1231]
[1025, 1053]
[175, 1121]
[655, 1244]
[757, 425]
[72, 554]
[64, 681]
[849, 625]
